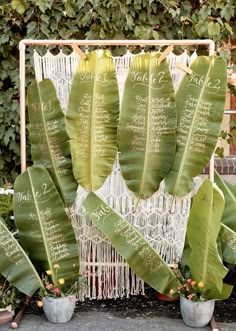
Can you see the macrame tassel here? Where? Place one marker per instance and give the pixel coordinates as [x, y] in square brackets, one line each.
[177, 74]
[192, 57]
[161, 219]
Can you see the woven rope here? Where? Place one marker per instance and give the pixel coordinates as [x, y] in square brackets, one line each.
[161, 219]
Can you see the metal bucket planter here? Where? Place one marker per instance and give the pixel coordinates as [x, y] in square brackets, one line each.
[196, 313]
[59, 310]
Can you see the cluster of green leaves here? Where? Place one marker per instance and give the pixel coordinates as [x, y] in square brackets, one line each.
[9, 295]
[6, 209]
[91, 19]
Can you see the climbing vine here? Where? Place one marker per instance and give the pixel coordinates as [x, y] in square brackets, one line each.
[94, 19]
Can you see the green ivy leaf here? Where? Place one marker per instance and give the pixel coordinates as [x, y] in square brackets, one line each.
[44, 5]
[204, 12]
[130, 21]
[187, 6]
[102, 34]
[19, 5]
[70, 8]
[228, 28]
[227, 12]
[201, 28]
[174, 13]
[4, 39]
[30, 27]
[8, 135]
[45, 18]
[213, 29]
[220, 152]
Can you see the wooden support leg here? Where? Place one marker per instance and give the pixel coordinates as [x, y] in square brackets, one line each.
[19, 316]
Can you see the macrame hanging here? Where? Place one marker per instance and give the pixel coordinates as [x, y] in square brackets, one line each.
[161, 219]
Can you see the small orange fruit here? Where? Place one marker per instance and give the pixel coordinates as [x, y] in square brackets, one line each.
[40, 304]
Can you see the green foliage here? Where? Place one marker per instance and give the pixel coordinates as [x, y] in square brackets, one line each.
[83, 19]
[45, 231]
[148, 118]
[204, 262]
[9, 295]
[50, 145]
[92, 129]
[199, 117]
[129, 243]
[15, 265]
[6, 210]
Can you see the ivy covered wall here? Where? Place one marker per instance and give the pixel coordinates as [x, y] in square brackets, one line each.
[94, 19]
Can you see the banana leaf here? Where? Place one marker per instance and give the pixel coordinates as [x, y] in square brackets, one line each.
[91, 119]
[229, 190]
[200, 103]
[15, 265]
[130, 244]
[45, 230]
[147, 125]
[49, 141]
[202, 231]
[228, 244]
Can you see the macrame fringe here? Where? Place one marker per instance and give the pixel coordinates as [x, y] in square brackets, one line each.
[161, 219]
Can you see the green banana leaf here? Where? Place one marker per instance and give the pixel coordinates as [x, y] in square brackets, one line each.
[130, 244]
[49, 141]
[202, 231]
[200, 103]
[15, 265]
[147, 125]
[92, 118]
[228, 244]
[45, 230]
[229, 190]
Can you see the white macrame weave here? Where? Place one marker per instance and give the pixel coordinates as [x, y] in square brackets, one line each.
[161, 219]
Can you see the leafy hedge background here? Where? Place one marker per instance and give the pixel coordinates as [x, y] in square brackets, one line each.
[94, 19]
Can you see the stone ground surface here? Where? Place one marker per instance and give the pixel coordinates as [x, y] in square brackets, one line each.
[105, 321]
[141, 312]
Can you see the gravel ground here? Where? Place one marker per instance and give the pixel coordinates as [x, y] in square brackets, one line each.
[150, 306]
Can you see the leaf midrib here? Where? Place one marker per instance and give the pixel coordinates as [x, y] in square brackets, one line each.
[49, 149]
[147, 136]
[42, 228]
[92, 133]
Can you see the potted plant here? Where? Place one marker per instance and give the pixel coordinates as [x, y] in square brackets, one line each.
[58, 299]
[196, 310]
[201, 272]
[46, 237]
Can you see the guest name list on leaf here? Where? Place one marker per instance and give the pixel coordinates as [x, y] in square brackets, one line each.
[49, 140]
[200, 101]
[148, 118]
[157, 125]
[101, 117]
[9, 246]
[92, 119]
[47, 217]
[41, 219]
[140, 256]
[205, 108]
[228, 239]
[15, 265]
[51, 129]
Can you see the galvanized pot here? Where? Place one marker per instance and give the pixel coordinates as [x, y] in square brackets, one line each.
[196, 314]
[59, 310]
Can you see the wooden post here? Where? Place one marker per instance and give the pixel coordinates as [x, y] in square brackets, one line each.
[19, 316]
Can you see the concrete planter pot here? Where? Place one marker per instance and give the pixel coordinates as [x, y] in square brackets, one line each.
[196, 314]
[59, 310]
